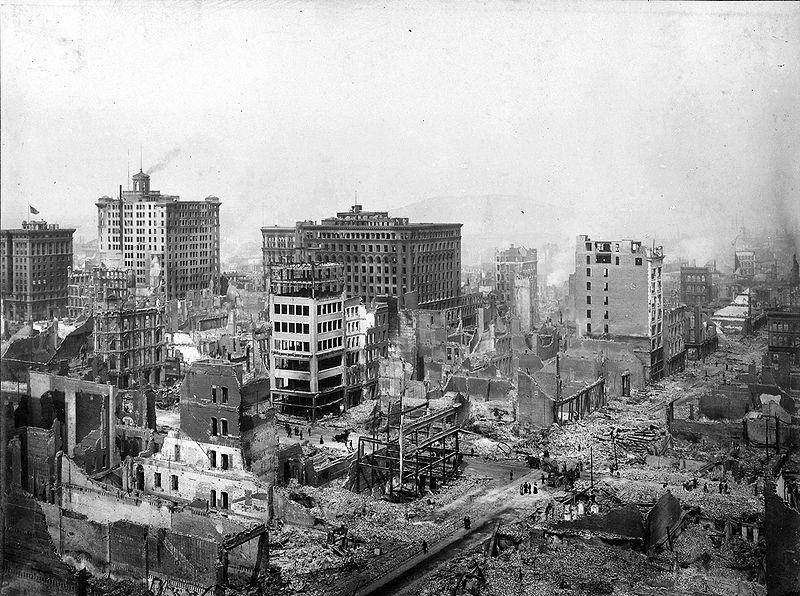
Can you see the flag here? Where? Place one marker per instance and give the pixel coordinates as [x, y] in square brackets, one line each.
[33, 210]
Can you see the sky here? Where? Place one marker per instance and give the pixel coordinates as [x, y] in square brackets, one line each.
[665, 118]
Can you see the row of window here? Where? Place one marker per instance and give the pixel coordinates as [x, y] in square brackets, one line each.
[589, 300]
[219, 392]
[219, 427]
[589, 286]
[291, 309]
[327, 326]
[329, 344]
[284, 327]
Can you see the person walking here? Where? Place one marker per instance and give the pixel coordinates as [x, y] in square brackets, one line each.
[424, 547]
[511, 474]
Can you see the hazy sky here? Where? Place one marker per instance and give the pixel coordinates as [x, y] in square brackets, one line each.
[681, 115]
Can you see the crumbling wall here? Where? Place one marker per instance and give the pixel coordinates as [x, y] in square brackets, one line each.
[730, 403]
[782, 526]
[260, 445]
[534, 407]
[291, 512]
[719, 433]
[663, 522]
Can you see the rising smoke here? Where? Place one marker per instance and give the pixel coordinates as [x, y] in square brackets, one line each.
[163, 162]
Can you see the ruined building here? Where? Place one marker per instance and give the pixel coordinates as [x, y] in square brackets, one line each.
[87, 288]
[226, 444]
[367, 340]
[33, 270]
[277, 247]
[307, 351]
[129, 339]
[618, 295]
[701, 333]
[696, 285]
[380, 255]
[516, 283]
[163, 240]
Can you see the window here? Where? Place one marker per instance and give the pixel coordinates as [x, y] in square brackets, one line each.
[213, 500]
[224, 427]
[213, 394]
[174, 480]
[605, 300]
[157, 480]
[588, 314]
[224, 499]
[605, 328]
[224, 461]
[177, 453]
[212, 458]
[588, 327]
[616, 260]
[213, 427]
[588, 300]
[638, 261]
[605, 272]
[605, 316]
[588, 246]
[588, 259]
[588, 285]
[224, 395]
[605, 286]
[588, 272]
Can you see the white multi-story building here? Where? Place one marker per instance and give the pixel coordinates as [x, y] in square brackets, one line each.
[161, 239]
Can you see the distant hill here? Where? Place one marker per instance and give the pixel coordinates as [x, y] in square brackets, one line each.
[490, 221]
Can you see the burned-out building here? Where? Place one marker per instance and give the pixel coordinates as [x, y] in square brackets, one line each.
[34, 262]
[367, 340]
[783, 348]
[90, 288]
[307, 350]
[129, 339]
[226, 445]
[277, 246]
[696, 285]
[516, 282]
[701, 333]
[618, 295]
[675, 332]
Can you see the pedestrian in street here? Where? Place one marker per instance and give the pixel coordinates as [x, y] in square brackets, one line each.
[535, 490]
[694, 482]
[296, 432]
[542, 478]
[467, 522]
[424, 547]
[350, 444]
[705, 487]
[720, 487]
[321, 440]
[301, 435]
[522, 489]
[511, 474]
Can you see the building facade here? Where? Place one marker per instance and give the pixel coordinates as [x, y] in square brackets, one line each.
[129, 338]
[516, 283]
[164, 241]
[744, 263]
[696, 285]
[34, 264]
[382, 255]
[675, 333]
[618, 295]
[89, 287]
[307, 349]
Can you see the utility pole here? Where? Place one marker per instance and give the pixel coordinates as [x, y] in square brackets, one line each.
[591, 467]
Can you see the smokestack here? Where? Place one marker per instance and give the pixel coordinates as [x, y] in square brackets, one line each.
[120, 192]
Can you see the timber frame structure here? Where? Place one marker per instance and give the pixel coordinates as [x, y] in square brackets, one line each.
[587, 400]
[431, 454]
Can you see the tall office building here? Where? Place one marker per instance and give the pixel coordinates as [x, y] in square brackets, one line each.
[277, 247]
[696, 285]
[163, 240]
[382, 255]
[34, 266]
[619, 295]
